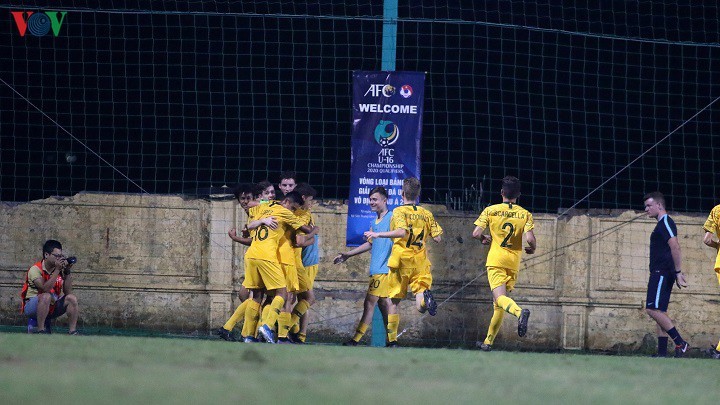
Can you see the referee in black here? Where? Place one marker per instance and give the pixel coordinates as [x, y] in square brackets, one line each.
[665, 269]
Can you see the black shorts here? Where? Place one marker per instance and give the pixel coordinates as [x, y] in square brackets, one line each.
[658, 292]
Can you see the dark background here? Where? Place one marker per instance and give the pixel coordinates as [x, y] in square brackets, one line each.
[181, 96]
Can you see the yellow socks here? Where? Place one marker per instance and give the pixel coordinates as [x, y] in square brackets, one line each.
[718, 347]
[300, 308]
[495, 323]
[509, 305]
[283, 324]
[263, 316]
[392, 327]
[236, 316]
[360, 331]
[251, 318]
[274, 312]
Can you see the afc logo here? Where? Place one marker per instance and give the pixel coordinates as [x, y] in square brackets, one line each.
[376, 89]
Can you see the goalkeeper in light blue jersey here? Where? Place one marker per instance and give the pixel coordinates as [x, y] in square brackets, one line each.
[382, 282]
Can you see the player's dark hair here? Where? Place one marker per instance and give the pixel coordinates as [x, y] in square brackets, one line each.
[265, 184]
[294, 197]
[380, 190]
[257, 190]
[287, 174]
[411, 188]
[657, 196]
[511, 187]
[243, 188]
[50, 245]
[306, 190]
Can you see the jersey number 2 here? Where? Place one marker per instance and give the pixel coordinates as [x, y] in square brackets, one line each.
[506, 242]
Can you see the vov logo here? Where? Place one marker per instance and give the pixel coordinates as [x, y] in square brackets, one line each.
[38, 23]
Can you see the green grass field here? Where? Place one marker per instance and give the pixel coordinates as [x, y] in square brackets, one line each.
[104, 369]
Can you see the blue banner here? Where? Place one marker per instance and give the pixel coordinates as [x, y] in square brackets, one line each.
[387, 129]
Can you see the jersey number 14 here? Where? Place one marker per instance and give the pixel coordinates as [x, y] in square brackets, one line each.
[415, 240]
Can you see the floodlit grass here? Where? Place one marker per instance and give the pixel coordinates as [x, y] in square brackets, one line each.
[102, 369]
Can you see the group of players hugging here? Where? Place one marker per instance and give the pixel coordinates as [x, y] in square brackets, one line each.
[282, 259]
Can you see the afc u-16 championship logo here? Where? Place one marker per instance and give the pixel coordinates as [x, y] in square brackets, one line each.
[386, 133]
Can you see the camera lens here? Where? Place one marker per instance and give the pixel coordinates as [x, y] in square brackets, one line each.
[72, 259]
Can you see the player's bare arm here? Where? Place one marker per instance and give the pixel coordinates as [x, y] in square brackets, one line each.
[304, 240]
[478, 234]
[531, 241]
[360, 249]
[677, 259]
[270, 222]
[309, 229]
[709, 241]
[397, 233]
[245, 240]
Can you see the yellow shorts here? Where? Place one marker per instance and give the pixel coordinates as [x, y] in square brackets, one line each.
[382, 284]
[498, 276]
[418, 279]
[263, 274]
[306, 277]
[291, 277]
[717, 273]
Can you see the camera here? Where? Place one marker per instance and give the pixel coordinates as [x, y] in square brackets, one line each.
[72, 260]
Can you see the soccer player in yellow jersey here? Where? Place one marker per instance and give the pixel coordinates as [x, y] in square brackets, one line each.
[410, 227]
[306, 261]
[712, 229]
[290, 256]
[507, 223]
[286, 257]
[263, 271]
[244, 193]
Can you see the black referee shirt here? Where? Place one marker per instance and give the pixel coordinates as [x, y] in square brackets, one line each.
[660, 256]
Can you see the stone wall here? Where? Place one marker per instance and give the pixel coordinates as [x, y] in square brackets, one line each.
[165, 263]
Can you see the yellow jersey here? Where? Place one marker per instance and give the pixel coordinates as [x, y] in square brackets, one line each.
[253, 214]
[712, 225]
[265, 240]
[507, 223]
[306, 218]
[419, 224]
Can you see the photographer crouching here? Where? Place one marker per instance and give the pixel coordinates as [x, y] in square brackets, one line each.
[47, 292]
